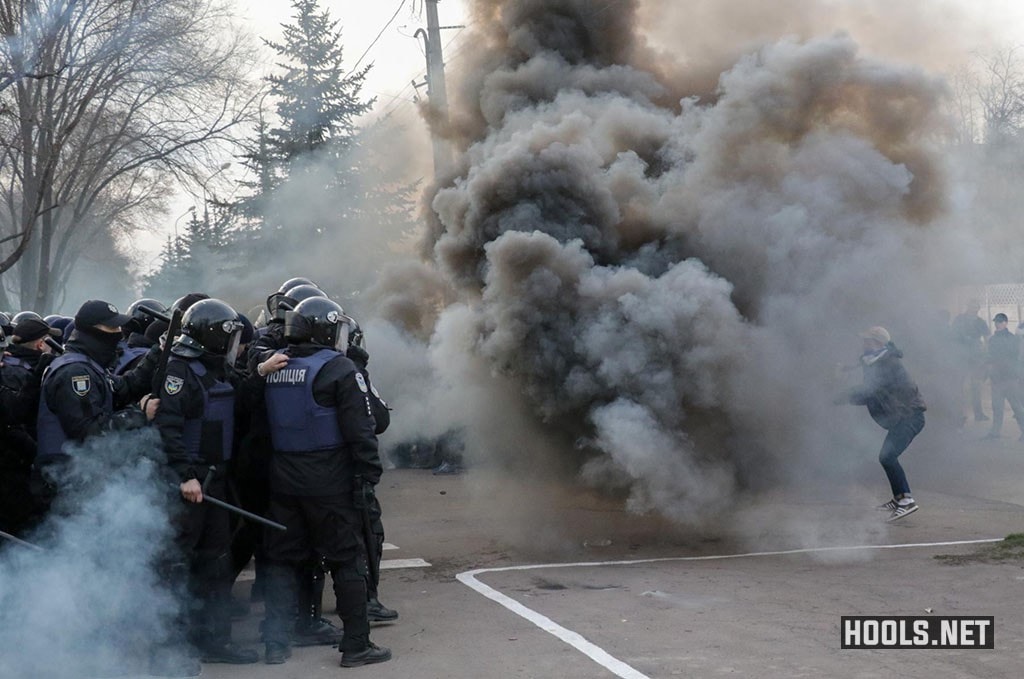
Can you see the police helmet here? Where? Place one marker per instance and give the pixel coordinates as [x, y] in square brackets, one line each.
[209, 326]
[140, 311]
[184, 303]
[355, 336]
[301, 292]
[320, 321]
[6, 329]
[24, 316]
[59, 322]
[294, 283]
[277, 305]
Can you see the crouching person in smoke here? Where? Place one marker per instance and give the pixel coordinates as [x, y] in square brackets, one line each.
[196, 424]
[894, 402]
[323, 468]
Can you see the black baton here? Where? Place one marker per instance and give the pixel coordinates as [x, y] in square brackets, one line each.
[19, 541]
[238, 510]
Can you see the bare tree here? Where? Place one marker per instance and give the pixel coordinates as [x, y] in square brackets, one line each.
[141, 91]
[1001, 93]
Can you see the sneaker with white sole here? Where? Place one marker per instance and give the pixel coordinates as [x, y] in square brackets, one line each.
[889, 506]
[902, 510]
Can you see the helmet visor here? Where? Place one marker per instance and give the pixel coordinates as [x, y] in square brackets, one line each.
[344, 328]
[231, 355]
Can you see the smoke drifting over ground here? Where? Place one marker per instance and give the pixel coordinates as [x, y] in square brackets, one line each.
[92, 604]
[656, 276]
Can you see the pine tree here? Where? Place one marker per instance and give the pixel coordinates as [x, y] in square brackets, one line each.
[317, 102]
[312, 182]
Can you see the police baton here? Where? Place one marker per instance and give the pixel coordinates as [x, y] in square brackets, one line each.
[19, 541]
[237, 510]
[363, 505]
[173, 328]
[159, 315]
[55, 345]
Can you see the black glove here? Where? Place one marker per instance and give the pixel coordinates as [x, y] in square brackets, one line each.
[363, 494]
[359, 356]
[42, 364]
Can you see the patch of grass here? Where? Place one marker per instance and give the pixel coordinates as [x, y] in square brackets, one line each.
[1010, 548]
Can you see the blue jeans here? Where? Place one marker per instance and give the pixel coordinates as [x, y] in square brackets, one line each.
[896, 441]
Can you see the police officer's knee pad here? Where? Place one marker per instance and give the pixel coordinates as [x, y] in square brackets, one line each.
[355, 572]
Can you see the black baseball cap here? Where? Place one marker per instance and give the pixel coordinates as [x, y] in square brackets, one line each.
[98, 312]
[31, 329]
[1001, 318]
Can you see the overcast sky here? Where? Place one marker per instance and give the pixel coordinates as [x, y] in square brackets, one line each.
[397, 56]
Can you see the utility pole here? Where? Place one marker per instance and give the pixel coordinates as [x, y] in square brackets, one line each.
[437, 90]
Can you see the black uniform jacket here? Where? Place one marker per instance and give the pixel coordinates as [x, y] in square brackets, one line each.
[184, 402]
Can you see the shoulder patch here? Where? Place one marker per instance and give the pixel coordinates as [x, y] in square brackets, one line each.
[172, 385]
[361, 382]
[81, 384]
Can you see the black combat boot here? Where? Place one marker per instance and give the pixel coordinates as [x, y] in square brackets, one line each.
[319, 632]
[378, 612]
[173, 662]
[370, 655]
[277, 654]
[229, 654]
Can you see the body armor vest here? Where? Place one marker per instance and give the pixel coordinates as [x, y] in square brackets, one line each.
[209, 437]
[50, 434]
[297, 422]
[128, 357]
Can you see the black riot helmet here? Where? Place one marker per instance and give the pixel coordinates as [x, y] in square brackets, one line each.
[294, 283]
[24, 316]
[320, 321]
[144, 318]
[301, 292]
[355, 336]
[277, 305]
[209, 326]
[186, 302]
[6, 329]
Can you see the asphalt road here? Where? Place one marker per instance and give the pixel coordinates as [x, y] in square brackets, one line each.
[685, 609]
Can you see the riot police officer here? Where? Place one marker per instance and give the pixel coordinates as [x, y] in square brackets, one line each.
[375, 610]
[137, 342]
[196, 424]
[324, 461]
[79, 397]
[20, 372]
[311, 628]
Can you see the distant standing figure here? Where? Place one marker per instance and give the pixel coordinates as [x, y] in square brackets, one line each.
[1004, 371]
[970, 332]
[894, 402]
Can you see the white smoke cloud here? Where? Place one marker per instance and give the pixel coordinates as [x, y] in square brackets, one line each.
[93, 603]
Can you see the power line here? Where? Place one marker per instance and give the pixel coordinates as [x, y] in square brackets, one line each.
[400, 100]
[401, 4]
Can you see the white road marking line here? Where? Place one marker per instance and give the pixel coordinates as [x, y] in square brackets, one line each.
[387, 564]
[391, 564]
[598, 654]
